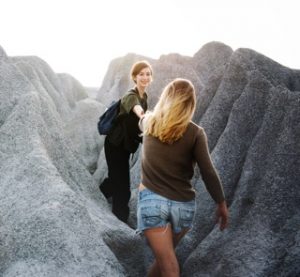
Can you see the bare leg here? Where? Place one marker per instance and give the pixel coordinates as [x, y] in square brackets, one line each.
[179, 236]
[154, 270]
[163, 242]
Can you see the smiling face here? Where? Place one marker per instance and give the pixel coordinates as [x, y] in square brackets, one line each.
[143, 78]
[141, 73]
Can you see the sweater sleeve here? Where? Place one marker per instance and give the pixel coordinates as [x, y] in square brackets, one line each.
[207, 169]
[129, 101]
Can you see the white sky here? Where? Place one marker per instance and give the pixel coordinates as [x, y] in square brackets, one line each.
[81, 37]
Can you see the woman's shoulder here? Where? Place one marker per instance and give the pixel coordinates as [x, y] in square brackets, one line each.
[130, 93]
[197, 133]
[133, 95]
[129, 100]
[195, 128]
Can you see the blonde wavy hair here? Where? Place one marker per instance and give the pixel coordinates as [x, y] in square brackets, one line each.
[173, 112]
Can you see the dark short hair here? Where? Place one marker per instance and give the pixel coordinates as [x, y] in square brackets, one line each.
[138, 66]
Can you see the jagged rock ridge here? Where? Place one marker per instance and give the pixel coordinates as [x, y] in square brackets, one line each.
[54, 221]
[249, 107]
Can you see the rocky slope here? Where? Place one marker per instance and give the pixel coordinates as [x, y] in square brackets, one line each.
[53, 219]
[249, 107]
[55, 222]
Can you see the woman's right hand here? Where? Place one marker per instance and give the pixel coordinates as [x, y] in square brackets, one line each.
[222, 215]
[138, 110]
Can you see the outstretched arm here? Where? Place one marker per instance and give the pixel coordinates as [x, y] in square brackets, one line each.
[138, 110]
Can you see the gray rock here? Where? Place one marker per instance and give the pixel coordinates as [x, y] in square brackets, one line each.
[210, 63]
[92, 92]
[81, 128]
[53, 219]
[72, 89]
[211, 58]
[257, 156]
[248, 105]
[55, 222]
[3, 55]
[42, 78]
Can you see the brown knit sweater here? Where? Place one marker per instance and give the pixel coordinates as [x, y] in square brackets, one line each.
[167, 169]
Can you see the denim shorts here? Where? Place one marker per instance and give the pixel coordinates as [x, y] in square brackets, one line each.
[155, 210]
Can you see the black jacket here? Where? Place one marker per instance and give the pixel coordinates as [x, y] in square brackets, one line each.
[126, 131]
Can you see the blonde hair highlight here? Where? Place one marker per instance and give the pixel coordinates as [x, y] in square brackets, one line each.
[173, 111]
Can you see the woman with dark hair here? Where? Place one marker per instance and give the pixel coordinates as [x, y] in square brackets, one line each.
[172, 145]
[124, 139]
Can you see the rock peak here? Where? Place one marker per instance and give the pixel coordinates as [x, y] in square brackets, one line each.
[2, 53]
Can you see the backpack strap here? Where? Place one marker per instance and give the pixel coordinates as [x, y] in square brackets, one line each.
[131, 91]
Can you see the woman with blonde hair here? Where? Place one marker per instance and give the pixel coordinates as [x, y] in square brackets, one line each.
[172, 145]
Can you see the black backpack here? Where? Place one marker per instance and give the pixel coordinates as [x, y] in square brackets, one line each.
[108, 118]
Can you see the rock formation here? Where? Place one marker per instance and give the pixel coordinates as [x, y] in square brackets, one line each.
[55, 222]
[53, 219]
[249, 107]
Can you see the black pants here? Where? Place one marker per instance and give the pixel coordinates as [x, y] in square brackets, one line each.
[117, 185]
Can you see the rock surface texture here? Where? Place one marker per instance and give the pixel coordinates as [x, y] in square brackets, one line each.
[55, 222]
[53, 219]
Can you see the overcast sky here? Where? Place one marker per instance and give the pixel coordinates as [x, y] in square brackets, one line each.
[81, 37]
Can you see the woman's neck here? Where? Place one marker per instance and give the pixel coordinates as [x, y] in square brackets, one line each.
[140, 90]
